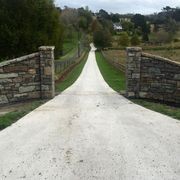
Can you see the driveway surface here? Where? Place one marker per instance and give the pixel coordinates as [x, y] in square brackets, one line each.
[89, 132]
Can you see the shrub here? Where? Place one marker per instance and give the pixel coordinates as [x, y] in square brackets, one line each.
[124, 39]
[135, 40]
[102, 38]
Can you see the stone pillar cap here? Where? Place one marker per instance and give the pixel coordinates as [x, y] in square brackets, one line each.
[134, 49]
[46, 48]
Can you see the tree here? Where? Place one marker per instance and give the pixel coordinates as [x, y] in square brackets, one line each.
[115, 18]
[135, 40]
[85, 18]
[140, 22]
[104, 15]
[26, 25]
[124, 39]
[102, 38]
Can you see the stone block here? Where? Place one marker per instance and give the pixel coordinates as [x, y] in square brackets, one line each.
[8, 75]
[1, 87]
[24, 89]
[143, 94]
[178, 84]
[32, 71]
[47, 71]
[45, 88]
[130, 94]
[135, 75]
[20, 95]
[3, 99]
[17, 80]
[154, 70]
[177, 76]
[15, 68]
[34, 95]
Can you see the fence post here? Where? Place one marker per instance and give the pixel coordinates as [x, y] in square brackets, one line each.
[47, 85]
[133, 71]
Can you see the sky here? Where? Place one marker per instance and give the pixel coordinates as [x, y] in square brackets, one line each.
[121, 6]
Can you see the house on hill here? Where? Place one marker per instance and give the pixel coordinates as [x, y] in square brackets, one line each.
[117, 27]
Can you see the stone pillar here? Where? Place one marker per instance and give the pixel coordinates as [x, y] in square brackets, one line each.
[46, 64]
[133, 71]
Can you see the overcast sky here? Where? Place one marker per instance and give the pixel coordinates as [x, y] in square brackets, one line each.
[121, 6]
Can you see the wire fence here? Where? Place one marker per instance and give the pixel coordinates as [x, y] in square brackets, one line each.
[61, 65]
[114, 62]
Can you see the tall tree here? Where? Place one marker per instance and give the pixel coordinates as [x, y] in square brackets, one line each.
[27, 24]
[140, 22]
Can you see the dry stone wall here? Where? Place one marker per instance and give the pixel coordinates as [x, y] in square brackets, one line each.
[28, 77]
[152, 77]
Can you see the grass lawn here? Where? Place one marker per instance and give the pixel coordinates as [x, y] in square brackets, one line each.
[158, 107]
[71, 77]
[114, 78]
[116, 81]
[11, 117]
[70, 54]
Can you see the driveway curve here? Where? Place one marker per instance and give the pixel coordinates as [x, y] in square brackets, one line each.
[89, 132]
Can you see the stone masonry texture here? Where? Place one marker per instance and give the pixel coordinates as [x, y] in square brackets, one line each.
[28, 77]
[152, 77]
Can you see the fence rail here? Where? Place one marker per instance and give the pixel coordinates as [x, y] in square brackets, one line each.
[114, 62]
[61, 65]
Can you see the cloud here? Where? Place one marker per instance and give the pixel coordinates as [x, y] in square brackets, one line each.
[121, 6]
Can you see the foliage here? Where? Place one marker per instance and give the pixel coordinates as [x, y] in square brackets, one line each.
[124, 39]
[140, 22]
[26, 25]
[128, 26]
[102, 38]
[135, 40]
[103, 14]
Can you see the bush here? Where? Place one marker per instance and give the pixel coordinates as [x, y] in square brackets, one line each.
[102, 38]
[135, 40]
[26, 25]
[124, 39]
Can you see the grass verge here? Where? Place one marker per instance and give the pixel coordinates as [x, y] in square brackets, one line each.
[114, 78]
[11, 117]
[71, 76]
[159, 107]
[116, 81]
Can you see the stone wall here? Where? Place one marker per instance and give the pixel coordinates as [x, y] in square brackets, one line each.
[152, 77]
[28, 77]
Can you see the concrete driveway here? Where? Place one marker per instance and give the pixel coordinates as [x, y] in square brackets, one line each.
[89, 132]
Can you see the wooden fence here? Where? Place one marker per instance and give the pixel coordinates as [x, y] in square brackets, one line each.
[114, 62]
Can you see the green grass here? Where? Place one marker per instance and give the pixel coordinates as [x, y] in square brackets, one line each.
[72, 76]
[114, 78]
[158, 107]
[11, 117]
[70, 54]
[70, 43]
